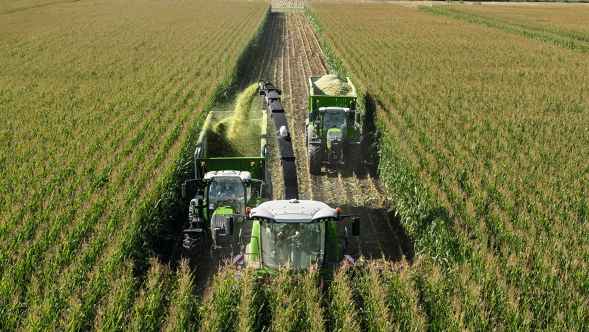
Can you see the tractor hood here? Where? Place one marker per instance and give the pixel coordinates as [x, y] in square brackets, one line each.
[228, 209]
[293, 211]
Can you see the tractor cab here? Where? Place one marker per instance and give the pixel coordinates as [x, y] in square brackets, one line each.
[295, 234]
[218, 205]
[334, 122]
[228, 190]
[334, 117]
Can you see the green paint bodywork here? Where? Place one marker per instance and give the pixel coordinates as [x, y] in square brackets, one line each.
[224, 210]
[317, 100]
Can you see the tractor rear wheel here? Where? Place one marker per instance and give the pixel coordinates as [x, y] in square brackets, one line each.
[314, 159]
[355, 158]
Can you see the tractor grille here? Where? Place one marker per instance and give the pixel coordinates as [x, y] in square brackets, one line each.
[334, 135]
[218, 221]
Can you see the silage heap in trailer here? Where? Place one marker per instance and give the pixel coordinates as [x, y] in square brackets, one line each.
[236, 133]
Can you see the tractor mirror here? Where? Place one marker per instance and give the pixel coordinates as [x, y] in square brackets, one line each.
[189, 187]
[356, 226]
[184, 190]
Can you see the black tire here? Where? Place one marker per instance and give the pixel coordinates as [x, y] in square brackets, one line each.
[314, 159]
[355, 158]
[192, 247]
[308, 134]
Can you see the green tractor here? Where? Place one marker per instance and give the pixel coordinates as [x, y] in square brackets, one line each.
[296, 234]
[218, 205]
[332, 131]
[222, 188]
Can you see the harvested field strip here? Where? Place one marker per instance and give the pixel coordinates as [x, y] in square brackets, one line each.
[476, 145]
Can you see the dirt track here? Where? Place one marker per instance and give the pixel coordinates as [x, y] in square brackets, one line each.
[289, 52]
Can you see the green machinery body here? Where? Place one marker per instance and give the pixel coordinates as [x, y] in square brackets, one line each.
[332, 130]
[214, 212]
[296, 235]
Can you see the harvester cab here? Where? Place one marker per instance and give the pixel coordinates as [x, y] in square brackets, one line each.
[295, 233]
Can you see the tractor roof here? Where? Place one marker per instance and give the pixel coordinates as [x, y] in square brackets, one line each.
[334, 109]
[293, 211]
[245, 176]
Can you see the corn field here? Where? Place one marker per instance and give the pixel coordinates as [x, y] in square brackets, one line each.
[482, 129]
[99, 104]
[564, 26]
[483, 139]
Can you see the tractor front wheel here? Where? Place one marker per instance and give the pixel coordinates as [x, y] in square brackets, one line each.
[192, 246]
[309, 129]
[314, 159]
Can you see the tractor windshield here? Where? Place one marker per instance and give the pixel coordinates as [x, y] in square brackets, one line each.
[225, 190]
[301, 245]
[334, 118]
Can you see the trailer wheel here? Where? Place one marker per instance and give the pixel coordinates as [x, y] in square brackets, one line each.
[314, 159]
[355, 158]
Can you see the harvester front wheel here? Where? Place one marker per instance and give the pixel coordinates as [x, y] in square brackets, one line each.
[314, 159]
[355, 158]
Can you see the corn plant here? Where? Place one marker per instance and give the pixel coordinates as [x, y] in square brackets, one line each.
[96, 120]
[482, 152]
